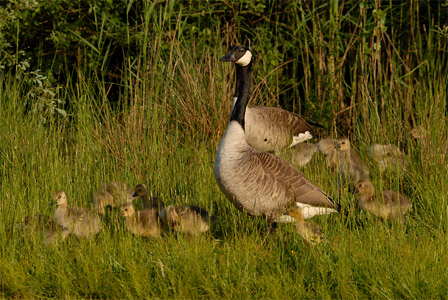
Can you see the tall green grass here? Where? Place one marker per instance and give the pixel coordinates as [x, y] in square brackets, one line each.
[172, 109]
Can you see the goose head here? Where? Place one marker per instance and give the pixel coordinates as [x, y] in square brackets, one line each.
[239, 55]
[343, 144]
[140, 190]
[417, 133]
[364, 187]
[60, 198]
[127, 210]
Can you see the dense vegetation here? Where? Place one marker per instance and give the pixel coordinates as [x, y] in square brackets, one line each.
[92, 91]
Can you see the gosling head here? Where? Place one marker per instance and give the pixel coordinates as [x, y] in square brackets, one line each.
[296, 213]
[239, 55]
[364, 187]
[127, 210]
[60, 199]
[343, 144]
[417, 133]
[140, 190]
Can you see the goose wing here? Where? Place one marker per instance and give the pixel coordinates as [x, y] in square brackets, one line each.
[281, 179]
[283, 119]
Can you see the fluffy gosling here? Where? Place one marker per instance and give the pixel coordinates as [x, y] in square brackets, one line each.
[153, 202]
[188, 219]
[349, 162]
[51, 230]
[112, 194]
[300, 154]
[387, 156]
[326, 146]
[386, 204]
[141, 222]
[310, 232]
[78, 220]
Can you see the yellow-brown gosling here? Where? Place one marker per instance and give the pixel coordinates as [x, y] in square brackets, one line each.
[386, 204]
[148, 202]
[78, 220]
[387, 156]
[300, 154]
[141, 222]
[326, 146]
[310, 232]
[51, 230]
[350, 164]
[188, 219]
[112, 194]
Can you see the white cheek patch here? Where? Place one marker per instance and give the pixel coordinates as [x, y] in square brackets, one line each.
[245, 59]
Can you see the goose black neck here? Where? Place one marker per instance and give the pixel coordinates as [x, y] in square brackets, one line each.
[243, 85]
[237, 80]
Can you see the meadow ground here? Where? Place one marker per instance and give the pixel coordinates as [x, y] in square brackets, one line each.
[164, 130]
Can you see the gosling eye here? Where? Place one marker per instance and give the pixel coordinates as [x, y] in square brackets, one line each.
[265, 140]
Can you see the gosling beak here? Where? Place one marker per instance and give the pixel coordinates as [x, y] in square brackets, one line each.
[356, 191]
[337, 146]
[135, 195]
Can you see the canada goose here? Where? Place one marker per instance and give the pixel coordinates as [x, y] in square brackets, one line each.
[153, 202]
[270, 129]
[387, 156]
[386, 204]
[141, 222]
[51, 230]
[310, 232]
[78, 220]
[188, 219]
[299, 155]
[350, 164]
[326, 146]
[112, 194]
[256, 182]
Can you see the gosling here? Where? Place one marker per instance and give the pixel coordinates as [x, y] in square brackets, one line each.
[112, 194]
[188, 219]
[349, 162]
[141, 222]
[78, 220]
[300, 154]
[153, 202]
[310, 232]
[326, 146]
[385, 205]
[387, 156]
[51, 230]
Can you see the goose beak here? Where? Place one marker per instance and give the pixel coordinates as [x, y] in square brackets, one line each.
[230, 57]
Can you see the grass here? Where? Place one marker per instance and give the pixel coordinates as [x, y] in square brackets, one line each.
[164, 131]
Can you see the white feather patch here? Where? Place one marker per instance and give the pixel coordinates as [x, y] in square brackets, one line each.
[233, 104]
[309, 211]
[302, 137]
[245, 59]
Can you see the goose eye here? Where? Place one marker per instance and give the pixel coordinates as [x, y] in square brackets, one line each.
[242, 50]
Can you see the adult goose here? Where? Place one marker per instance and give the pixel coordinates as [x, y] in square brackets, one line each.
[270, 129]
[256, 182]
